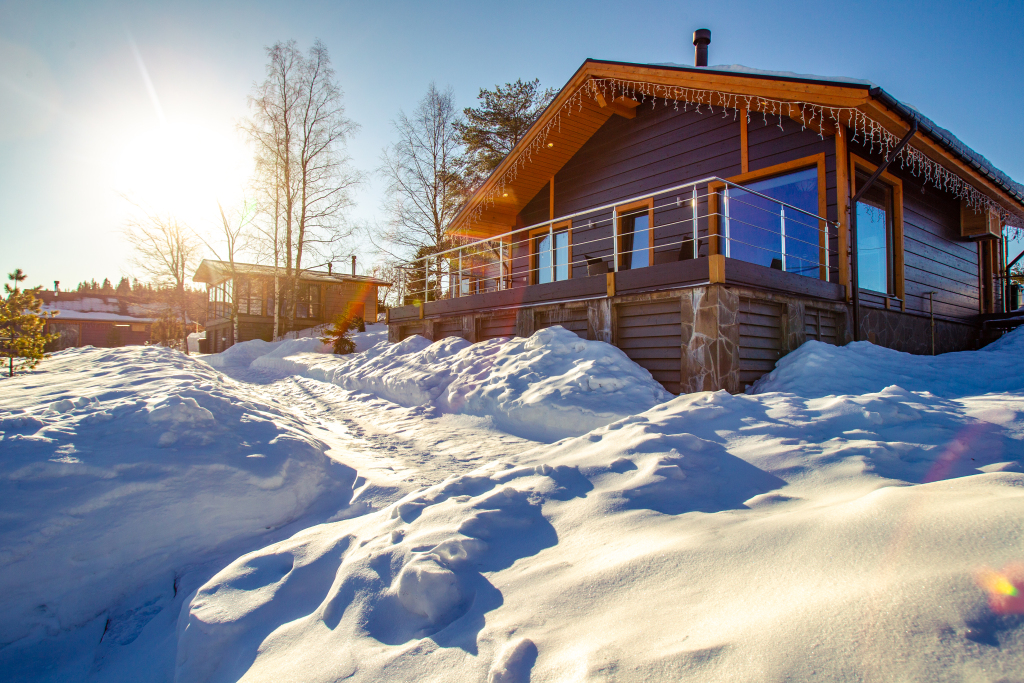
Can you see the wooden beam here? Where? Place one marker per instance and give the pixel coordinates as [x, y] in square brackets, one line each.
[623, 106]
[843, 210]
[551, 199]
[744, 148]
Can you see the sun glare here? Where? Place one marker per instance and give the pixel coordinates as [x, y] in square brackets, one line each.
[184, 170]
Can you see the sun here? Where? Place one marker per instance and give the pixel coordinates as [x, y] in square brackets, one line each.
[184, 170]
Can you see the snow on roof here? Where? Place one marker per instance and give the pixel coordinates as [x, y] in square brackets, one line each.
[101, 309]
[929, 127]
[212, 271]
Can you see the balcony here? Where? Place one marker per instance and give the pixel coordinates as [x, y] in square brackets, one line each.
[703, 232]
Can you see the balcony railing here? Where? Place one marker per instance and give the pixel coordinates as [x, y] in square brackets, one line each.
[709, 216]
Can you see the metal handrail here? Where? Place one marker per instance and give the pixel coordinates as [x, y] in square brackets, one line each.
[497, 256]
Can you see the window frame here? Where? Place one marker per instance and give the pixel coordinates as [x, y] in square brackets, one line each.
[560, 226]
[813, 161]
[620, 235]
[898, 281]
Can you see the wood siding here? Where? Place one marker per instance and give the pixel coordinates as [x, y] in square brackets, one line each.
[761, 340]
[936, 258]
[662, 148]
[573, 319]
[494, 326]
[821, 325]
[650, 333]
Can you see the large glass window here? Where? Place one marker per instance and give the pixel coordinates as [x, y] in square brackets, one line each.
[551, 256]
[636, 239]
[761, 231]
[874, 237]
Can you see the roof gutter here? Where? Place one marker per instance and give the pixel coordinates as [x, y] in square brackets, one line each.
[936, 134]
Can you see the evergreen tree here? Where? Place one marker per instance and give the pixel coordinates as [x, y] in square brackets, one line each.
[124, 288]
[22, 326]
[491, 130]
[107, 287]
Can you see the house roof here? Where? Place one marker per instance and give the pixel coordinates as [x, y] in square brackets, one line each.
[73, 306]
[214, 272]
[529, 166]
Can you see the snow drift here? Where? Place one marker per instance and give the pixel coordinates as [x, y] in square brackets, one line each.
[122, 466]
[711, 537]
[818, 369]
[549, 386]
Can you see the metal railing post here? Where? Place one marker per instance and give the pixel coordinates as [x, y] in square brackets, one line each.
[551, 247]
[696, 233]
[725, 222]
[828, 275]
[782, 233]
[615, 239]
[458, 285]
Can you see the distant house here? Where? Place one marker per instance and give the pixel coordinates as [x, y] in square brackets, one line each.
[86, 319]
[709, 220]
[322, 297]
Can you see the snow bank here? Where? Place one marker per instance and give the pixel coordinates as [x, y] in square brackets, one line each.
[713, 537]
[121, 467]
[818, 369]
[546, 387]
[241, 355]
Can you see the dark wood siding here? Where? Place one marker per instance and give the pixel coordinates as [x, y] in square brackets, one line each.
[820, 325]
[660, 148]
[650, 333]
[935, 257]
[409, 330]
[573, 319]
[448, 327]
[493, 326]
[761, 341]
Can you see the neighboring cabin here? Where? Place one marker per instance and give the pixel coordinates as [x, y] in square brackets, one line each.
[87, 319]
[322, 297]
[700, 219]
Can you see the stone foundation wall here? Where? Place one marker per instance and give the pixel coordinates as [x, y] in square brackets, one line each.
[711, 325]
[913, 333]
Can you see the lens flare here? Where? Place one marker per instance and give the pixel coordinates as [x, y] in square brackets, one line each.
[1005, 588]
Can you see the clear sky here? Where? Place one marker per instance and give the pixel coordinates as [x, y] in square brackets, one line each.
[103, 98]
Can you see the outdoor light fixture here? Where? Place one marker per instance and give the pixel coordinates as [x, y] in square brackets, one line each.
[551, 144]
[505, 195]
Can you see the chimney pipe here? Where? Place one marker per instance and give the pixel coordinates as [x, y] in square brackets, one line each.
[701, 40]
[330, 268]
[353, 264]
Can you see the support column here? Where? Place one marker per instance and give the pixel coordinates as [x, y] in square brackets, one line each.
[526, 322]
[600, 320]
[469, 328]
[710, 339]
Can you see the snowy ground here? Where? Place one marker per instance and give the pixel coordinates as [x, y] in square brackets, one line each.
[537, 510]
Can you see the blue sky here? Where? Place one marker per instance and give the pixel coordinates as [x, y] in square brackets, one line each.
[78, 120]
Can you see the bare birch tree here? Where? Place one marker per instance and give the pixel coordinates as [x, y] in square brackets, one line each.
[299, 129]
[234, 236]
[166, 250]
[425, 182]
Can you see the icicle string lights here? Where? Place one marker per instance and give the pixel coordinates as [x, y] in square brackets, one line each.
[864, 129]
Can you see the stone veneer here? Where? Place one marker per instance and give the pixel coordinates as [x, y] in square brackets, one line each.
[912, 333]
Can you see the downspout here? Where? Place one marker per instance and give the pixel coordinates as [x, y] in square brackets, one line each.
[854, 274]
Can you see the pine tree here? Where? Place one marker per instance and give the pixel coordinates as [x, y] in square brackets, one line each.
[124, 288]
[491, 130]
[22, 326]
[107, 287]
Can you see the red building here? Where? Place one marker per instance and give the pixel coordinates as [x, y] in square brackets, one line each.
[86, 319]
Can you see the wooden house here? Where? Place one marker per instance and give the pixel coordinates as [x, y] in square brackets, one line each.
[88, 319]
[702, 220]
[322, 297]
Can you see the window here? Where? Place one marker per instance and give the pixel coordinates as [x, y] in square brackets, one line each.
[636, 236]
[761, 231]
[875, 237]
[308, 305]
[552, 254]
